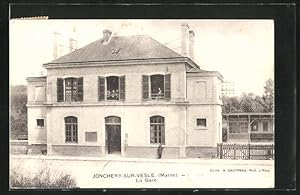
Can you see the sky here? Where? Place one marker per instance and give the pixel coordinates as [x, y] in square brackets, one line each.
[241, 50]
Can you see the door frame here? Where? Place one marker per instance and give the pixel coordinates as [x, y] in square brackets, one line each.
[106, 123]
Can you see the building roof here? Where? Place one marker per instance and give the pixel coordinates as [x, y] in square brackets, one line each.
[36, 79]
[119, 48]
[198, 72]
[249, 114]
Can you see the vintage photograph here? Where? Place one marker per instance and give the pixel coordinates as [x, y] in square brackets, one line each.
[137, 103]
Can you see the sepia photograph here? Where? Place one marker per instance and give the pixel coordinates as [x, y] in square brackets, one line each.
[141, 103]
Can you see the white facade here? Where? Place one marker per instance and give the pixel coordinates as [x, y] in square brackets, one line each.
[191, 112]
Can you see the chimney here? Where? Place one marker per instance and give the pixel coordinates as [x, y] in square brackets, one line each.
[73, 43]
[191, 44]
[184, 39]
[106, 36]
[56, 41]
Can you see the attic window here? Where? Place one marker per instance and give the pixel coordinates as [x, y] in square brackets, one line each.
[115, 51]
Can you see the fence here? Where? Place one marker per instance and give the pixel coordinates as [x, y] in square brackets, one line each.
[245, 151]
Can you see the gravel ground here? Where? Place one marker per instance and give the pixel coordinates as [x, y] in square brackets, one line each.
[117, 172]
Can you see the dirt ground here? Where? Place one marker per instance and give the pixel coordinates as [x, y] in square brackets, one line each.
[117, 172]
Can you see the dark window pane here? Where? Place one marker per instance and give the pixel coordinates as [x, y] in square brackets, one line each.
[40, 122]
[157, 129]
[265, 126]
[71, 129]
[201, 122]
[157, 86]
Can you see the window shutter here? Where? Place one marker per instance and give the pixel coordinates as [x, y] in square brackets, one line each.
[80, 89]
[101, 88]
[122, 88]
[145, 84]
[60, 90]
[163, 135]
[168, 86]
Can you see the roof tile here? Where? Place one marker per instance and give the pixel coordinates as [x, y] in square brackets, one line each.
[119, 48]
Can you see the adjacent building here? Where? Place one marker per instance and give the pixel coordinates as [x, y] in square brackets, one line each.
[249, 127]
[124, 95]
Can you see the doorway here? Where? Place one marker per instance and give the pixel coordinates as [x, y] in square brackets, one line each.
[113, 134]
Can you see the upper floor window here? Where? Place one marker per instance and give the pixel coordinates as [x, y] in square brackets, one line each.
[157, 130]
[111, 88]
[71, 128]
[39, 94]
[156, 86]
[70, 89]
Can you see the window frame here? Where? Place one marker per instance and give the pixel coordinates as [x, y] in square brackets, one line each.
[151, 95]
[102, 95]
[71, 126]
[200, 127]
[263, 126]
[147, 87]
[106, 88]
[157, 134]
[61, 89]
[40, 127]
[44, 93]
[254, 123]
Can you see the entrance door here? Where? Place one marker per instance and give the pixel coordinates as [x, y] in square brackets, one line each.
[113, 134]
[113, 138]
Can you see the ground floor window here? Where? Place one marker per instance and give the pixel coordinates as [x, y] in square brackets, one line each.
[238, 127]
[201, 122]
[71, 128]
[40, 123]
[254, 126]
[265, 126]
[157, 130]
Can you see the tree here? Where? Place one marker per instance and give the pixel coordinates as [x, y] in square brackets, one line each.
[249, 103]
[268, 96]
[230, 104]
[18, 111]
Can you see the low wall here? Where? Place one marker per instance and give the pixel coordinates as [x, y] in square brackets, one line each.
[66, 150]
[18, 146]
[201, 152]
[151, 152]
[37, 149]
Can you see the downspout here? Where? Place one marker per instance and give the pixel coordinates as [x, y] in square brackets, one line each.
[185, 114]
